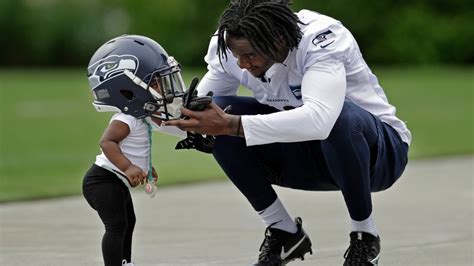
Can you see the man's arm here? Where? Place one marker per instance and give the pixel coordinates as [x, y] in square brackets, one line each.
[221, 84]
[323, 90]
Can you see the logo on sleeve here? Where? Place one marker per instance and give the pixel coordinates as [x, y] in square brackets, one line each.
[324, 39]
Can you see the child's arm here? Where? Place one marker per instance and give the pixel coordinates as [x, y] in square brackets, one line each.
[109, 143]
[154, 174]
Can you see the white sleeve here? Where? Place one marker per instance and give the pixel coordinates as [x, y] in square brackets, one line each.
[219, 83]
[323, 91]
[217, 79]
[131, 121]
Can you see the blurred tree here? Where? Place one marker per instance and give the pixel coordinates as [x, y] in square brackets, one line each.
[62, 33]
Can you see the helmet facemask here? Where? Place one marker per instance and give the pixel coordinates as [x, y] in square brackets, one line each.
[167, 88]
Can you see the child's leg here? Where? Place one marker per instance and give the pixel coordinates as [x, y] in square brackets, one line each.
[108, 197]
[127, 243]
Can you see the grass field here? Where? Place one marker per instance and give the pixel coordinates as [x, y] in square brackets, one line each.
[49, 130]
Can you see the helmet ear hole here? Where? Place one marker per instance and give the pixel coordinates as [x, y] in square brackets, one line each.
[128, 94]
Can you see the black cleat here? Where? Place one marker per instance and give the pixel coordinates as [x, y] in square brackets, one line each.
[364, 250]
[280, 247]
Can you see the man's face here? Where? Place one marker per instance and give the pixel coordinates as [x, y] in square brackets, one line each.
[247, 57]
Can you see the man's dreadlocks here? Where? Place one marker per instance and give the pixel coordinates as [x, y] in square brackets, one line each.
[269, 26]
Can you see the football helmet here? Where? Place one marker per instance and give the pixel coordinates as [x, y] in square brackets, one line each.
[133, 74]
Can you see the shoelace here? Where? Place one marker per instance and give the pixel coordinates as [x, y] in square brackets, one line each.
[268, 244]
[357, 252]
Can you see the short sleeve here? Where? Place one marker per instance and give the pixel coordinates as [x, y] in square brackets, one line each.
[131, 121]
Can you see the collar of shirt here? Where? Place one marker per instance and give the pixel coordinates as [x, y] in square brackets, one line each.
[267, 77]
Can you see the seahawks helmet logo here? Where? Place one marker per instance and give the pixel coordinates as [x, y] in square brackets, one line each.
[322, 37]
[109, 67]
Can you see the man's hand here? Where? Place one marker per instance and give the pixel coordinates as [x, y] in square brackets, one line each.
[210, 121]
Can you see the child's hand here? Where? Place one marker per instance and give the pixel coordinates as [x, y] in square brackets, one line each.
[154, 174]
[135, 175]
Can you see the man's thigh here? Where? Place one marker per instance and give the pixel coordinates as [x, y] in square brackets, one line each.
[298, 165]
[391, 158]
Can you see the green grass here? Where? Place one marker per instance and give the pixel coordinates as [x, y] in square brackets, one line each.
[50, 134]
[49, 131]
[438, 105]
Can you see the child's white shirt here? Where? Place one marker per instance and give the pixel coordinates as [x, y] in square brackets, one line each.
[136, 146]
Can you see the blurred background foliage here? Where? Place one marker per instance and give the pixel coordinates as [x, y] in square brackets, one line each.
[65, 33]
[421, 51]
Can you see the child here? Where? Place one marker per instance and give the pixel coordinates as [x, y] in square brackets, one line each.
[123, 163]
[134, 76]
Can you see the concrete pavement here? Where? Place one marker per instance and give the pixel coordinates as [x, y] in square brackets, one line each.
[425, 219]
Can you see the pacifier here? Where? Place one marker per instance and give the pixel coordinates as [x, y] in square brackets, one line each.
[150, 189]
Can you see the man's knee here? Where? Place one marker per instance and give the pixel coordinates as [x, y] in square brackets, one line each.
[347, 122]
[223, 101]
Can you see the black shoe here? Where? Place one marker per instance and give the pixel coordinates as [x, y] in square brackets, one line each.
[280, 247]
[363, 250]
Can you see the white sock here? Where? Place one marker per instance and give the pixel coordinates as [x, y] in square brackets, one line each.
[366, 225]
[277, 215]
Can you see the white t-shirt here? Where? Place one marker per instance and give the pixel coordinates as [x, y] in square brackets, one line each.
[325, 70]
[136, 146]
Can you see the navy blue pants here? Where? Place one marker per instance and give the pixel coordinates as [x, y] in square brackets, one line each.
[361, 155]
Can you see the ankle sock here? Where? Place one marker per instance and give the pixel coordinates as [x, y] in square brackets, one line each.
[366, 225]
[276, 216]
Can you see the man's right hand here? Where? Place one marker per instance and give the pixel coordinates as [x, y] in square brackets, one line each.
[211, 121]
